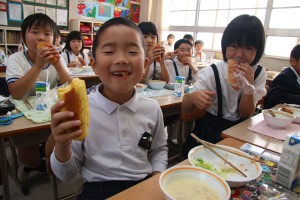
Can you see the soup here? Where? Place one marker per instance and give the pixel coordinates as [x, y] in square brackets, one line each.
[189, 188]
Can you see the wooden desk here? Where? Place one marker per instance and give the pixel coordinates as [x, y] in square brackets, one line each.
[149, 189]
[242, 133]
[24, 129]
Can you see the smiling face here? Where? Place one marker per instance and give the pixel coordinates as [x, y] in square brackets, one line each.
[119, 62]
[184, 50]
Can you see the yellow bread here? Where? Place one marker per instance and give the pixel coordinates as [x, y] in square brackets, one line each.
[231, 80]
[45, 44]
[76, 100]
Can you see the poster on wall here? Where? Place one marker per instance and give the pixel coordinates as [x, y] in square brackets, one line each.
[39, 9]
[105, 12]
[106, 9]
[28, 10]
[51, 12]
[14, 11]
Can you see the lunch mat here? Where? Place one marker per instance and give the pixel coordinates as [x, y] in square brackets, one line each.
[37, 116]
[278, 133]
[264, 187]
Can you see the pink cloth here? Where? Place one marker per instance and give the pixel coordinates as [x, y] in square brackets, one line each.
[278, 133]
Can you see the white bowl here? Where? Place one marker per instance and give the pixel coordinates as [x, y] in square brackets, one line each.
[140, 87]
[217, 165]
[281, 119]
[295, 111]
[157, 84]
[185, 180]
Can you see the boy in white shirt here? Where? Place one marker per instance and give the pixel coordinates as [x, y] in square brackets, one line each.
[113, 156]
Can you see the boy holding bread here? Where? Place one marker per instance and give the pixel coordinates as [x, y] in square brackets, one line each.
[224, 103]
[126, 142]
[40, 62]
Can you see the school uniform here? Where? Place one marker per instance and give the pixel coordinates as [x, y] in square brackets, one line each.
[154, 71]
[177, 68]
[285, 88]
[223, 113]
[19, 64]
[70, 57]
[230, 96]
[111, 150]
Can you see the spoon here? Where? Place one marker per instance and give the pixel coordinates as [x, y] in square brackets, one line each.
[272, 113]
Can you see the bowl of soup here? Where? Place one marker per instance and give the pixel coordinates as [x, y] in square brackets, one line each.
[193, 183]
[280, 120]
[157, 84]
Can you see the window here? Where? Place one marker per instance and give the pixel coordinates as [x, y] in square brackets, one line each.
[207, 19]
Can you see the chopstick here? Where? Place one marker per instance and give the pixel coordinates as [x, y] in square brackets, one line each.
[27, 104]
[231, 151]
[217, 154]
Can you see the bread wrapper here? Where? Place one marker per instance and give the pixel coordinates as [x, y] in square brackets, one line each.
[45, 44]
[76, 100]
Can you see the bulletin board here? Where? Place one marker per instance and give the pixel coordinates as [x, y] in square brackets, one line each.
[106, 9]
[12, 12]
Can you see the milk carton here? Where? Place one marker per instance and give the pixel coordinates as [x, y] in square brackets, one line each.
[179, 86]
[288, 173]
[41, 99]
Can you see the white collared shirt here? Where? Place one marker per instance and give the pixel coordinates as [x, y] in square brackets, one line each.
[110, 150]
[230, 97]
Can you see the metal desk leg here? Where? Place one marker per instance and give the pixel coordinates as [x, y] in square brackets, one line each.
[4, 172]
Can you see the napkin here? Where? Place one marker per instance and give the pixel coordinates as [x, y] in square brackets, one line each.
[278, 133]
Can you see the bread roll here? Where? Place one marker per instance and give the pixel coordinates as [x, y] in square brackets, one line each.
[232, 80]
[76, 100]
[45, 44]
[157, 45]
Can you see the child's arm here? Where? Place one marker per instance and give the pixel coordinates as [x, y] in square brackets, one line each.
[165, 75]
[64, 129]
[200, 99]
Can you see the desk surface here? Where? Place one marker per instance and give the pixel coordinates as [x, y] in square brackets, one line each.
[169, 104]
[149, 189]
[242, 133]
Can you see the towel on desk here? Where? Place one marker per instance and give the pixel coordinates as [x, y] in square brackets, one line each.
[278, 133]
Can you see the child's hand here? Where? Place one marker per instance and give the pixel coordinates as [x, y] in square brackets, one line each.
[187, 60]
[81, 60]
[202, 99]
[162, 54]
[246, 71]
[72, 64]
[171, 55]
[46, 54]
[63, 128]
[156, 53]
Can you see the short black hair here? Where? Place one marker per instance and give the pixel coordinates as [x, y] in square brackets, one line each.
[148, 28]
[38, 20]
[295, 53]
[171, 36]
[74, 35]
[115, 22]
[245, 30]
[199, 42]
[188, 37]
[181, 41]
